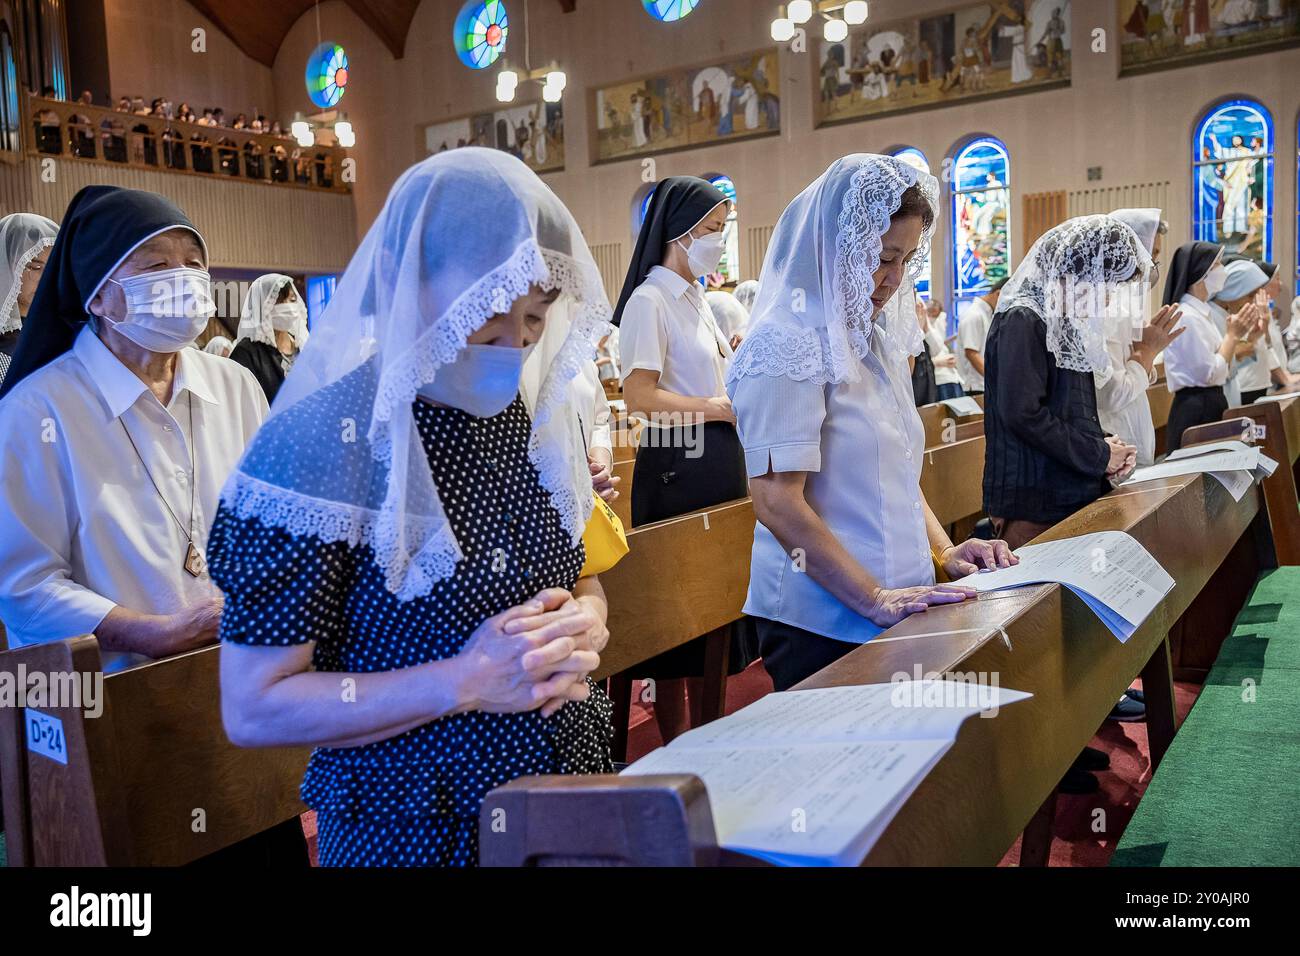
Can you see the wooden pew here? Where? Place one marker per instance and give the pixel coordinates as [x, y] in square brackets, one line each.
[1160, 398]
[1281, 442]
[938, 421]
[152, 781]
[1000, 776]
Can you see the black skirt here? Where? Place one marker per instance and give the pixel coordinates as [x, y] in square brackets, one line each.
[677, 471]
[1193, 405]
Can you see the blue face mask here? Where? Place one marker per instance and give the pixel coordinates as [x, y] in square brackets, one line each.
[482, 380]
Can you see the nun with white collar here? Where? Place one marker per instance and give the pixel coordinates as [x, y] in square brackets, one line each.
[125, 434]
[1132, 346]
[1198, 361]
[674, 357]
[1253, 371]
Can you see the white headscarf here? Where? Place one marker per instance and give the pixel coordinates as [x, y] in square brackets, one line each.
[255, 317]
[1083, 278]
[1144, 222]
[813, 317]
[462, 235]
[218, 345]
[729, 314]
[745, 293]
[1244, 277]
[23, 237]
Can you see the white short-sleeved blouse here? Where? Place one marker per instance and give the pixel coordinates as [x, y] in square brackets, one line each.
[862, 444]
[667, 327]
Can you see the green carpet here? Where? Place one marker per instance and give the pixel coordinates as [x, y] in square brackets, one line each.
[1228, 790]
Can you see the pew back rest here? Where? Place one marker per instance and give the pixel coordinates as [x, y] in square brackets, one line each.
[151, 780]
[680, 579]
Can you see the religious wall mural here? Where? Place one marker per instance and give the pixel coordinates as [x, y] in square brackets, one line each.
[974, 51]
[735, 99]
[1157, 34]
[533, 132]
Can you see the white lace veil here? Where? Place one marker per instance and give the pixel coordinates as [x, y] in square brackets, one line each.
[255, 316]
[813, 316]
[23, 236]
[1084, 278]
[462, 235]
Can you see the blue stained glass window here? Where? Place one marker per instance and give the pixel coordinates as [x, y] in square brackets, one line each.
[669, 10]
[981, 216]
[327, 74]
[480, 33]
[1232, 178]
[320, 289]
[729, 268]
[914, 157]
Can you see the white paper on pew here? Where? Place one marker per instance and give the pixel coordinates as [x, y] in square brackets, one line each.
[963, 406]
[812, 778]
[1237, 482]
[1279, 397]
[1266, 466]
[1215, 458]
[1110, 571]
[1209, 448]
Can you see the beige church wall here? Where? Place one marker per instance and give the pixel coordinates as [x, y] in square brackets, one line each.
[1137, 129]
[150, 54]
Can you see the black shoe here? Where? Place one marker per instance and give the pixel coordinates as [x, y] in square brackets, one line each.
[1136, 694]
[1128, 710]
[1078, 781]
[1092, 759]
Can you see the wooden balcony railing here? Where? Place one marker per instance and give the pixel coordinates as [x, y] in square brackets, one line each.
[92, 133]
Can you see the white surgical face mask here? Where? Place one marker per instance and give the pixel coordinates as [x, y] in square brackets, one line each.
[1215, 279]
[705, 253]
[286, 316]
[483, 380]
[166, 310]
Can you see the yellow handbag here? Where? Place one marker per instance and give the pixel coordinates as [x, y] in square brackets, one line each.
[604, 539]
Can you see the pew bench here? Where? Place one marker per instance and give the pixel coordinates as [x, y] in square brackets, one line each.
[1000, 776]
[1227, 791]
[150, 781]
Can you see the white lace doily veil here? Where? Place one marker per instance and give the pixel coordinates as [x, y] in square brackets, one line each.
[23, 237]
[462, 235]
[812, 317]
[1085, 277]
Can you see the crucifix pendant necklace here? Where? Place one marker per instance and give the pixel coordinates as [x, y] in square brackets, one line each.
[194, 563]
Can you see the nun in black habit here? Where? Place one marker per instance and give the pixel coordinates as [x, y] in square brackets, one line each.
[117, 440]
[1198, 362]
[674, 360]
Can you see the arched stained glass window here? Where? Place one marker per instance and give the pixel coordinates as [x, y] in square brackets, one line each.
[730, 265]
[981, 216]
[914, 157]
[480, 33]
[8, 92]
[327, 74]
[1232, 178]
[669, 10]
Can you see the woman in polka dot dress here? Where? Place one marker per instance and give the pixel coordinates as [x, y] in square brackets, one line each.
[400, 547]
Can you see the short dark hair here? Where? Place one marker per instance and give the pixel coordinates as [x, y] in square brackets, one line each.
[914, 203]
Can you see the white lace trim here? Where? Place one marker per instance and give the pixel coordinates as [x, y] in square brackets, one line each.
[415, 553]
[1074, 277]
[333, 521]
[782, 351]
[10, 320]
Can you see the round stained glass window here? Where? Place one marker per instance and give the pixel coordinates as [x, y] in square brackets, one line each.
[480, 33]
[327, 74]
[669, 10]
